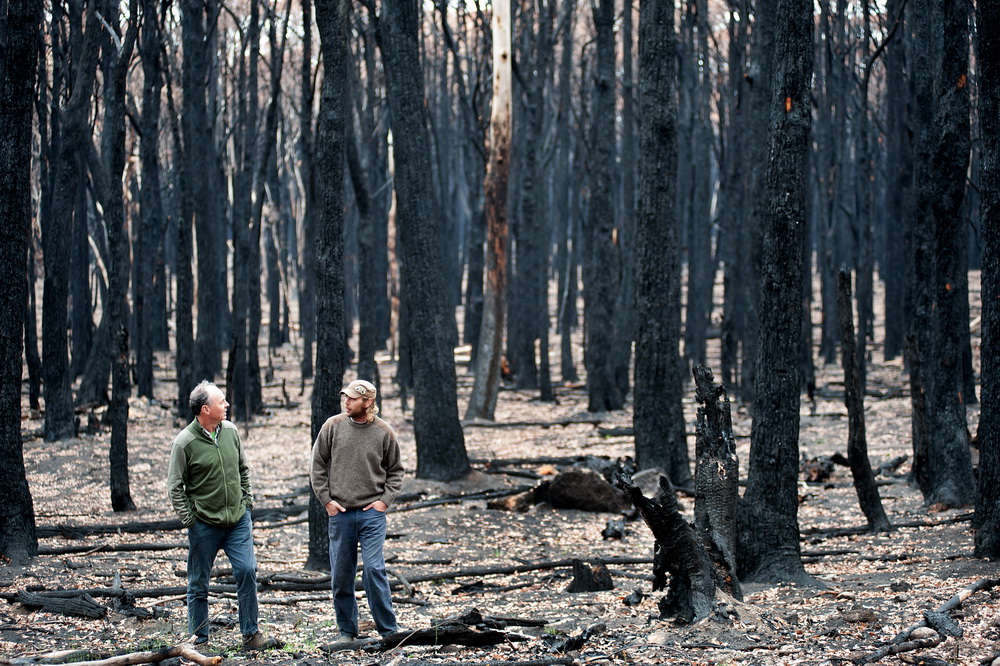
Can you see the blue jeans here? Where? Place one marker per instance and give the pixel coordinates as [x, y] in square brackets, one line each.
[347, 530]
[204, 543]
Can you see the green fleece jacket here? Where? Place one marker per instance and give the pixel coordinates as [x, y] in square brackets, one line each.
[208, 479]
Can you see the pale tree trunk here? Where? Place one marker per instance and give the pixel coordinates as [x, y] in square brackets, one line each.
[483, 400]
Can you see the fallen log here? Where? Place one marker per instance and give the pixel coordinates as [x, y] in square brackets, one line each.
[321, 582]
[184, 650]
[109, 548]
[455, 634]
[141, 527]
[579, 420]
[80, 604]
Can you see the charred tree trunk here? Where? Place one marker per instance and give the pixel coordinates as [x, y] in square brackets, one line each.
[147, 245]
[331, 19]
[942, 157]
[716, 479]
[659, 418]
[987, 518]
[307, 233]
[441, 450]
[602, 268]
[769, 539]
[854, 392]
[108, 170]
[19, 40]
[60, 422]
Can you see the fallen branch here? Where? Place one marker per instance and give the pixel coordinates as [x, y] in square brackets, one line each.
[895, 645]
[184, 650]
[579, 420]
[109, 548]
[81, 531]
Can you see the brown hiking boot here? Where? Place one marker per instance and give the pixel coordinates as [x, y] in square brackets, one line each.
[260, 642]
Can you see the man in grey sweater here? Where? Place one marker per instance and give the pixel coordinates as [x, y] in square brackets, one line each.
[356, 474]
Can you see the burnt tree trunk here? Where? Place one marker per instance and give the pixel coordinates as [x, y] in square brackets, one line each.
[854, 392]
[59, 418]
[605, 391]
[19, 40]
[147, 240]
[108, 170]
[441, 453]
[941, 161]
[987, 518]
[659, 418]
[716, 479]
[769, 538]
[331, 19]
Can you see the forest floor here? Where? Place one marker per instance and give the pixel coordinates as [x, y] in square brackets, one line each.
[867, 588]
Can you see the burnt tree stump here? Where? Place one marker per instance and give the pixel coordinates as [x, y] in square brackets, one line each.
[694, 562]
[591, 576]
[716, 479]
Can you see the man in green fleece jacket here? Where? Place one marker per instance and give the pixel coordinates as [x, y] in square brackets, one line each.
[209, 485]
[356, 474]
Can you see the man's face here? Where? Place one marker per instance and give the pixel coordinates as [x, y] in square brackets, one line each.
[215, 409]
[355, 407]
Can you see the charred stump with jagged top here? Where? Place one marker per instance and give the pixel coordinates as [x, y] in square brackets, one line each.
[693, 562]
[716, 479]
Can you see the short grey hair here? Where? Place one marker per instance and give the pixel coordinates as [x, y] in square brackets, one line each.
[199, 396]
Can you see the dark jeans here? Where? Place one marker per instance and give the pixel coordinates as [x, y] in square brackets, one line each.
[204, 544]
[348, 530]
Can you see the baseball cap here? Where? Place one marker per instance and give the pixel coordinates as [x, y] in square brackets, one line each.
[359, 388]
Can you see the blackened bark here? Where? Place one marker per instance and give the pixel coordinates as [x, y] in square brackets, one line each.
[367, 265]
[681, 564]
[894, 270]
[564, 220]
[659, 417]
[32, 360]
[81, 314]
[854, 398]
[184, 306]
[331, 19]
[59, 418]
[987, 518]
[307, 233]
[19, 40]
[109, 169]
[701, 267]
[761, 103]
[942, 157]
[200, 165]
[441, 450]
[717, 472]
[147, 240]
[605, 391]
[732, 193]
[769, 538]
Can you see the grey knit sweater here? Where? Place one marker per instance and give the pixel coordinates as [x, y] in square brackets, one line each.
[356, 463]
